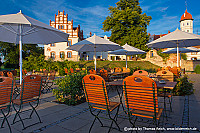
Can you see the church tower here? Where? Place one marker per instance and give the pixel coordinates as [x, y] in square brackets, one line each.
[186, 22]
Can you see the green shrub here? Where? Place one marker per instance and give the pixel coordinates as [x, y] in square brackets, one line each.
[183, 87]
[70, 89]
[197, 69]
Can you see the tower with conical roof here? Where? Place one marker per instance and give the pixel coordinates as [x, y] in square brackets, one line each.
[186, 22]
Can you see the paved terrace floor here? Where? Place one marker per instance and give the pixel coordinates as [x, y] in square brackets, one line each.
[60, 118]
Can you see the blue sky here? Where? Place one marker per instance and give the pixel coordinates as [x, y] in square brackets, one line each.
[91, 13]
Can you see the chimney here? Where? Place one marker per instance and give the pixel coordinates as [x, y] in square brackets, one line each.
[90, 34]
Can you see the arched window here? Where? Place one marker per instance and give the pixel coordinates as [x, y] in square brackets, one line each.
[62, 55]
[69, 43]
[69, 54]
[62, 27]
[53, 55]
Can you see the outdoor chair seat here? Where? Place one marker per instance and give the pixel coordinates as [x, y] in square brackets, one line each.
[111, 106]
[146, 114]
[18, 101]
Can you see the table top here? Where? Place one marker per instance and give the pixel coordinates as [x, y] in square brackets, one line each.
[168, 84]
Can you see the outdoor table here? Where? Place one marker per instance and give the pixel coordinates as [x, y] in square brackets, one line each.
[119, 74]
[119, 85]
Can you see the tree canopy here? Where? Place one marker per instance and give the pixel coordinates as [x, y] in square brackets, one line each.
[10, 52]
[127, 24]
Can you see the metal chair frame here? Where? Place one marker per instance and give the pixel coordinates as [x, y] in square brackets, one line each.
[145, 106]
[6, 93]
[30, 93]
[95, 103]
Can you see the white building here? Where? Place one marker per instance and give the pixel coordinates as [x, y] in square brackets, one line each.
[186, 24]
[57, 51]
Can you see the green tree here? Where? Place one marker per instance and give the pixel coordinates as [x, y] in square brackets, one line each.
[127, 24]
[10, 52]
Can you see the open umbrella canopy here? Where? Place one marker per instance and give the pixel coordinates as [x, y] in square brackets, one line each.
[181, 50]
[94, 43]
[19, 28]
[127, 50]
[32, 31]
[177, 37]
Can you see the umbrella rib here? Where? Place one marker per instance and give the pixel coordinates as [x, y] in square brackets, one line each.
[30, 31]
[11, 30]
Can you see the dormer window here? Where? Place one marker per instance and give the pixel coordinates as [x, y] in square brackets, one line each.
[183, 24]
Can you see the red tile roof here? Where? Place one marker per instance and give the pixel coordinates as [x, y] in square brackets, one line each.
[186, 16]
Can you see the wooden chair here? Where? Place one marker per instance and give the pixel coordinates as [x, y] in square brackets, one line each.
[15, 85]
[30, 94]
[104, 74]
[66, 71]
[124, 69]
[14, 72]
[6, 94]
[92, 71]
[141, 73]
[97, 98]
[50, 81]
[165, 75]
[77, 69]
[175, 71]
[117, 69]
[141, 99]
[71, 70]
[2, 73]
[24, 72]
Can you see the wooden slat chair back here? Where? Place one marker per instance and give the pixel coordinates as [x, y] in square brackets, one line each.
[92, 71]
[141, 99]
[141, 72]
[104, 74]
[165, 75]
[96, 92]
[14, 72]
[97, 98]
[124, 69]
[77, 69]
[2, 73]
[66, 71]
[175, 71]
[24, 72]
[117, 69]
[6, 88]
[31, 87]
[6, 96]
[30, 93]
[71, 70]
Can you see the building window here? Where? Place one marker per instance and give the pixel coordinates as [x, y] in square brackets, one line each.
[62, 55]
[193, 53]
[183, 24]
[187, 30]
[62, 27]
[187, 23]
[53, 55]
[69, 43]
[69, 54]
[52, 44]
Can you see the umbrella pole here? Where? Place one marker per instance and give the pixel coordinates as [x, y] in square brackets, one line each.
[20, 50]
[180, 58]
[95, 59]
[177, 56]
[126, 61]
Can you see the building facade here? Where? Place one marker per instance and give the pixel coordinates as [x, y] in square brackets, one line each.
[186, 24]
[58, 51]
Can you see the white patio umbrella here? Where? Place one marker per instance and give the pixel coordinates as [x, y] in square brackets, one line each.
[181, 50]
[176, 39]
[19, 28]
[127, 50]
[94, 44]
